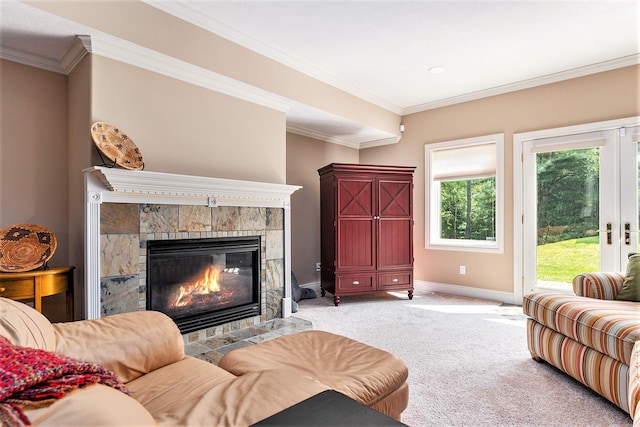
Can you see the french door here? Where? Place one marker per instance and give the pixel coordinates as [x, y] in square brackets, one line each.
[580, 204]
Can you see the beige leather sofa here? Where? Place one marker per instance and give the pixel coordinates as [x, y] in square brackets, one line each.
[146, 352]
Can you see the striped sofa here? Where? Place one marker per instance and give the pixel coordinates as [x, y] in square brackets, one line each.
[591, 336]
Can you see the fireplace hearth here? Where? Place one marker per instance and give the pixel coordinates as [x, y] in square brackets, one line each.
[201, 283]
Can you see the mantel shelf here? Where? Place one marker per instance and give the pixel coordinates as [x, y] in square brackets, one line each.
[158, 183]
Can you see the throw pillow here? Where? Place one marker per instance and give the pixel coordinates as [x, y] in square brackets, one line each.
[631, 287]
[298, 293]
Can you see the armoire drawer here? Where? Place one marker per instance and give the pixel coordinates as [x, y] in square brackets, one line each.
[355, 282]
[401, 279]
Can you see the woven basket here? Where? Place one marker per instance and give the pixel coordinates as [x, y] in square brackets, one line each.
[117, 146]
[25, 247]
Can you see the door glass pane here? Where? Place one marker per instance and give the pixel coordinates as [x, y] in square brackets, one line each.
[638, 187]
[567, 216]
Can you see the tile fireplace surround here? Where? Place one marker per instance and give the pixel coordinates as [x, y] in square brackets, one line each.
[124, 209]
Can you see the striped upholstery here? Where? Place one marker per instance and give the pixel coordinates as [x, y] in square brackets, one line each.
[606, 376]
[634, 385]
[595, 340]
[611, 327]
[598, 285]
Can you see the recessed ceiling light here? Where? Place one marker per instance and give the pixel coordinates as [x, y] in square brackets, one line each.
[436, 70]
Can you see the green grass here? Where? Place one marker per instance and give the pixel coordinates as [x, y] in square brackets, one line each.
[562, 261]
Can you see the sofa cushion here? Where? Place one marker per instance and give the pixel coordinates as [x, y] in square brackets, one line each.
[196, 393]
[631, 287]
[609, 326]
[251, 398]
[24, 326]
[362, 372]
[185, 377]
[96, 405]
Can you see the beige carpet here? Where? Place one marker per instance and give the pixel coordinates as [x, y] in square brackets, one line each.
[468, 361]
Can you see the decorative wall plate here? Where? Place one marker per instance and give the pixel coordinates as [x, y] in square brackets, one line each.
[25, 247]
[117, 146]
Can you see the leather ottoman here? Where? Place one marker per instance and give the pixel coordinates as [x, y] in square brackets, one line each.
[367, 374]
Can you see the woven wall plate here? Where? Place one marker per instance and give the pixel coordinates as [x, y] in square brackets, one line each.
[25, 247]
[117, 146]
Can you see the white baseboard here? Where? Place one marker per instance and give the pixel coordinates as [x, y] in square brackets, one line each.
[444, 288]
[465, 291]
[286, 307]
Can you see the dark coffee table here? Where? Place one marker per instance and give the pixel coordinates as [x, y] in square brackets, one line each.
[329, 408]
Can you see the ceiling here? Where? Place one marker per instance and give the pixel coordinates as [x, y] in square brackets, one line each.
[382, 51]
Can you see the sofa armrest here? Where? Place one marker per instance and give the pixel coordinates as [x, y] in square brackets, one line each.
[598, 285]
[128, 344]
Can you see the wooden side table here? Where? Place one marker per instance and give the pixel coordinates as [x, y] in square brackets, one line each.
[33, 285]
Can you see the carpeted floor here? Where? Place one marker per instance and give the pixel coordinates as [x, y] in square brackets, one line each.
[468, 361]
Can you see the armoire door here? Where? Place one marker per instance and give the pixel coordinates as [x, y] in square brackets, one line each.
[394, 223]
[355, 224]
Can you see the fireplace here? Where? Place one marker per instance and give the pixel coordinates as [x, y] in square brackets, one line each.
[125, 210]
[201, 283]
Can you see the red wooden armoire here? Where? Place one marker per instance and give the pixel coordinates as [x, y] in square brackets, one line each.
[366, 229]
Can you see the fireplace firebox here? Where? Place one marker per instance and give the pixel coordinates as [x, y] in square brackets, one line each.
[201, 283]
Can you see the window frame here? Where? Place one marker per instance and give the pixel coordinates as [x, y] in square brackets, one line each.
[432, 199]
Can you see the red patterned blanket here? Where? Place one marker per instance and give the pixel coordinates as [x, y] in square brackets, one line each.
[33, 377]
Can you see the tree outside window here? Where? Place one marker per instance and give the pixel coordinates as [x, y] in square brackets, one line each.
[468, 209]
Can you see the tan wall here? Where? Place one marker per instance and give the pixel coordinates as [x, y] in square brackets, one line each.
[33, 151]
[185, 129]
[304, 157]
[82, 154]
[599, 97]
[33, 158]
[149, 27]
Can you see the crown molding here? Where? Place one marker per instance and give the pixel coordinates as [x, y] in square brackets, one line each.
[166, 65]
[350, 143]
[138, 56]
[380, 142]
[183, 11]
[132, 54]
[309, 133]
[31, 60]
[600, 67]
[79, 49]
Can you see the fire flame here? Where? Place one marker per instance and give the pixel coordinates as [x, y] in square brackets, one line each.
[205, 285]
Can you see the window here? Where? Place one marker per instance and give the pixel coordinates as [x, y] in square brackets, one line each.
[464, 194]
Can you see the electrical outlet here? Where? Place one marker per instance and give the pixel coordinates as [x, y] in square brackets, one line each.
[463, 269]
[317, 266]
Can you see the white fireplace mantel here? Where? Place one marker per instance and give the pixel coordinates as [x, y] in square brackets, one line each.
[103, 184]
